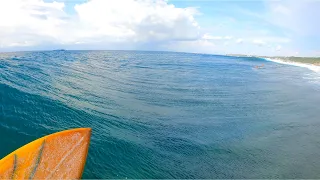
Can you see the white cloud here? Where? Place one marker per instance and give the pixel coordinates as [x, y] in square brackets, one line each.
[259, 42]
[197, 46]
[152, 24]
[36, 22]
[265, 41]
[210, 37]
[270, 39]
[239, 41]
[228, 37]
[140, 20]
[24, 23]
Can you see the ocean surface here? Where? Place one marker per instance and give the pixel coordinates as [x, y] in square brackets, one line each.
[165, 114]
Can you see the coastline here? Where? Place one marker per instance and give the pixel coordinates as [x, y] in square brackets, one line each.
[312, 63]
[303, 60]
[314, 67]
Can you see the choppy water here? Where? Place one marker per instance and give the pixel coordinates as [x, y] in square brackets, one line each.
[166, 115]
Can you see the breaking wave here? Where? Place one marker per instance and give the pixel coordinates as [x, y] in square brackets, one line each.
[299, 64]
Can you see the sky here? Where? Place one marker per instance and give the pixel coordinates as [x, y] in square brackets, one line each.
[255, 27]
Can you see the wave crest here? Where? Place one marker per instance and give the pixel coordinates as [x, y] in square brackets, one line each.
[304, 65]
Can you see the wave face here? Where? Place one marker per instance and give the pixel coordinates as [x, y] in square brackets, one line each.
[166, 115]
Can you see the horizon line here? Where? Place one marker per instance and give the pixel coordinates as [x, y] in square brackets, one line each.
[228, 54]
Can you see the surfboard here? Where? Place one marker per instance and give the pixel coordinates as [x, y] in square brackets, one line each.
[60, 155]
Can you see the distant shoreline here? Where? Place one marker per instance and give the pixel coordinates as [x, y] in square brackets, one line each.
[314, 61]
[305, 60]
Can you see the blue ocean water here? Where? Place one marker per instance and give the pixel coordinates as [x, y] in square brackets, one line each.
[165, 114]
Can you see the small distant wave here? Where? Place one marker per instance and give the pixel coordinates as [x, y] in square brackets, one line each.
[304, 65]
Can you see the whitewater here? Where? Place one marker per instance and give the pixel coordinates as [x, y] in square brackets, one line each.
[304, 65]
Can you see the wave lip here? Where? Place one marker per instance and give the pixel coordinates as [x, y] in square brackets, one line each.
[312, 67]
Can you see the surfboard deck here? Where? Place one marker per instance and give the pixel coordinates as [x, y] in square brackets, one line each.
[60, 155]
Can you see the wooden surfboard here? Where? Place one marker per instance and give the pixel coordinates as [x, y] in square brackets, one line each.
[60, 155]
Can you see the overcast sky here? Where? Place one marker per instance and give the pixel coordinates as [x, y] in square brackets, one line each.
[209, 26]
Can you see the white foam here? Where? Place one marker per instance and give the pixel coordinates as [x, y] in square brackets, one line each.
[281, 61]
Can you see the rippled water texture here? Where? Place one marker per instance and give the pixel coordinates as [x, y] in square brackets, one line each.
[167, 115]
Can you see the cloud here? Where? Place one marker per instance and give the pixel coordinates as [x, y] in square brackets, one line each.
[138, 20]
[228, 37]
[278, 48]
[239, 41]
[210, 37]
[265, 41]
[196, 46]
[259, 42]
[36, 22]
[157, 25]
[26, 23]
[275, 39]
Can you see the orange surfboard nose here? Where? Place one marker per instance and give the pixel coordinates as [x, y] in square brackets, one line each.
[60, 155]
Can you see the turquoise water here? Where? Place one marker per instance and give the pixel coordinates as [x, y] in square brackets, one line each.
[166, 115]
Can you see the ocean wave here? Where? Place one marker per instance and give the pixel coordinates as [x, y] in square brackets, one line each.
[304, 65]
[166, 115]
